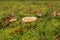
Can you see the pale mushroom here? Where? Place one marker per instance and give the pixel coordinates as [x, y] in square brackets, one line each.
[29, 19]
[13, 19]
[56, 13]
[38, 12]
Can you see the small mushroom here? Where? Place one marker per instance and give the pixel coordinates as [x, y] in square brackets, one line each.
[56, 13]
[38, 12]
[29, 19]
[11, 18]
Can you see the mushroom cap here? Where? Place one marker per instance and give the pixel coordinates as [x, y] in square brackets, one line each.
[29, 19]
[55, 13]
[39, 14]
[13, 19]
[58, 14]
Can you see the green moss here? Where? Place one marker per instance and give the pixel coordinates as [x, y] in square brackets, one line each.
[45, 28]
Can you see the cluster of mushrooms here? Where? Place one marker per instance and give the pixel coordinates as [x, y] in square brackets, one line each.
[12, 18]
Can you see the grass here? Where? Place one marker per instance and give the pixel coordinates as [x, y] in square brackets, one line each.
[46, 28]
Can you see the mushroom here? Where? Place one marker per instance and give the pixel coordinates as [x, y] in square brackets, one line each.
[11, 18]
[29, 19]
[56, 13]
[38, 12]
